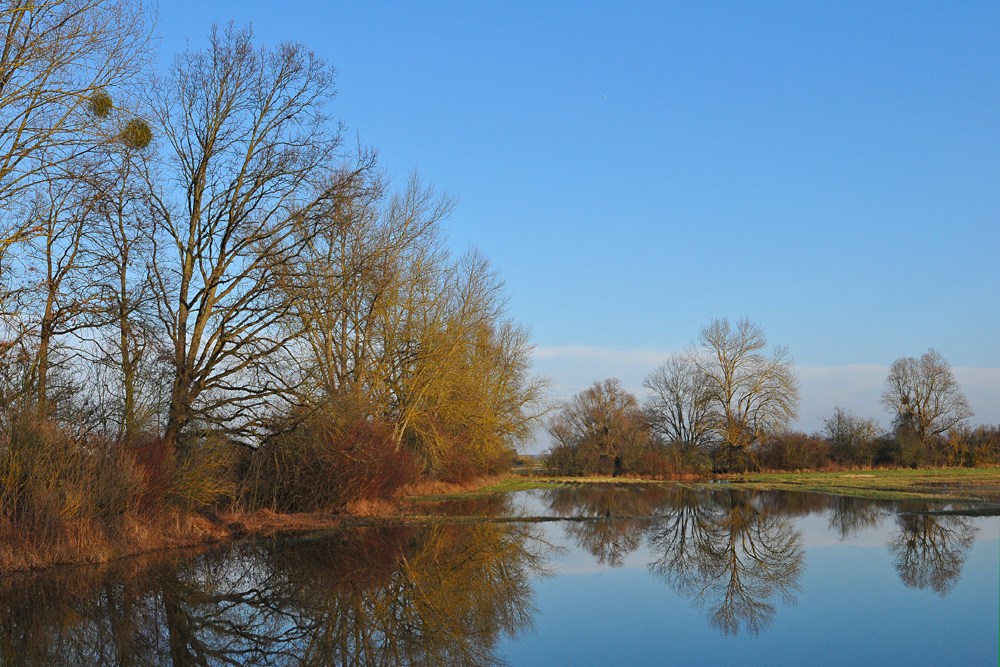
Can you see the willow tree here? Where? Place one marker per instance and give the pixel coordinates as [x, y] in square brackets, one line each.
[393, 328]
[751, 393]
[353, 281]
[469, 388]
[249, 172]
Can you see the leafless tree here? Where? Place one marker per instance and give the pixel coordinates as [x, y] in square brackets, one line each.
[604, 424]
[250, 174]
[923, 395]
[62, 62]
[852, 437]
[126, 344]
[751, 393]
[679, 408]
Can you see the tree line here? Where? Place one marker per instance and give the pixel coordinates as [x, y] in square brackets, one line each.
[726, 405]
[206, 296]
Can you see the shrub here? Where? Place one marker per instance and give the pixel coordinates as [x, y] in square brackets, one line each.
[202, 476]
[325, 465]
[793, 451]
[53, 484]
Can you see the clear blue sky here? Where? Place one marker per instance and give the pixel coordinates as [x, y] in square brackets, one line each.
[831, 170]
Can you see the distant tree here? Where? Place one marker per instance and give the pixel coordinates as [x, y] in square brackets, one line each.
[679, 409]
[603, 426]
[851, 437]
[751, 393]
[924, 397]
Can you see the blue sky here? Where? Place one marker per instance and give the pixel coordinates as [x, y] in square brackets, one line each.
[831, 170]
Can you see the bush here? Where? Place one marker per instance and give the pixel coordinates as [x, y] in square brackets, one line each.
[152, 457]
[793, 451]
[458, 467]
[52, 483]
[325, 465]
[202, 476]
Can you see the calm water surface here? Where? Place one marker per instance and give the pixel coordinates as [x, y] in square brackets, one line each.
[627, 575]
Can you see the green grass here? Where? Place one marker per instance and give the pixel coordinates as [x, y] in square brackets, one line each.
[948, 484]
[525, 483]
[905, 484]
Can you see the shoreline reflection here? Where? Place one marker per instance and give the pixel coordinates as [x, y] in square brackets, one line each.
[451, 594]
[441, 595]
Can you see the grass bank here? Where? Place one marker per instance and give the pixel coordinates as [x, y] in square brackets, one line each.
[100, 541]
[939, 484]
[22, 551]
[516, 482]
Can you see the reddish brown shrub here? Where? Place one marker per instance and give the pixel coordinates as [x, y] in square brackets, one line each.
[321, 465]
[457, 467]
[657, 465]
[152, 457]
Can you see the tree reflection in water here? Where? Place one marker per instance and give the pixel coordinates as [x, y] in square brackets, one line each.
[930, 550]
[731, 552]
[730, 556]
[849, 516]
[443, 595]
[616, 516]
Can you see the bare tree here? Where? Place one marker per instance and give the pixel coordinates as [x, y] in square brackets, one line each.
[679, 408]
[851, 436]
[751, 393]
[604, 424]
[64, 295]
[60, 63]
[126, 346]
[924, 396]
[252, 170]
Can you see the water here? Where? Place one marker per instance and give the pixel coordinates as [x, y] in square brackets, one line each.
[626, 575]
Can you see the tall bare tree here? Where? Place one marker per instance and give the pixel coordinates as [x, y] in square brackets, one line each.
[752, 393]
[126, 344]
[65, 294]
[923, 395]
[251, 173]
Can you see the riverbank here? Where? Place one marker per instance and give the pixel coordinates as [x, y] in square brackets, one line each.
[97, 544]
[90, 542]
